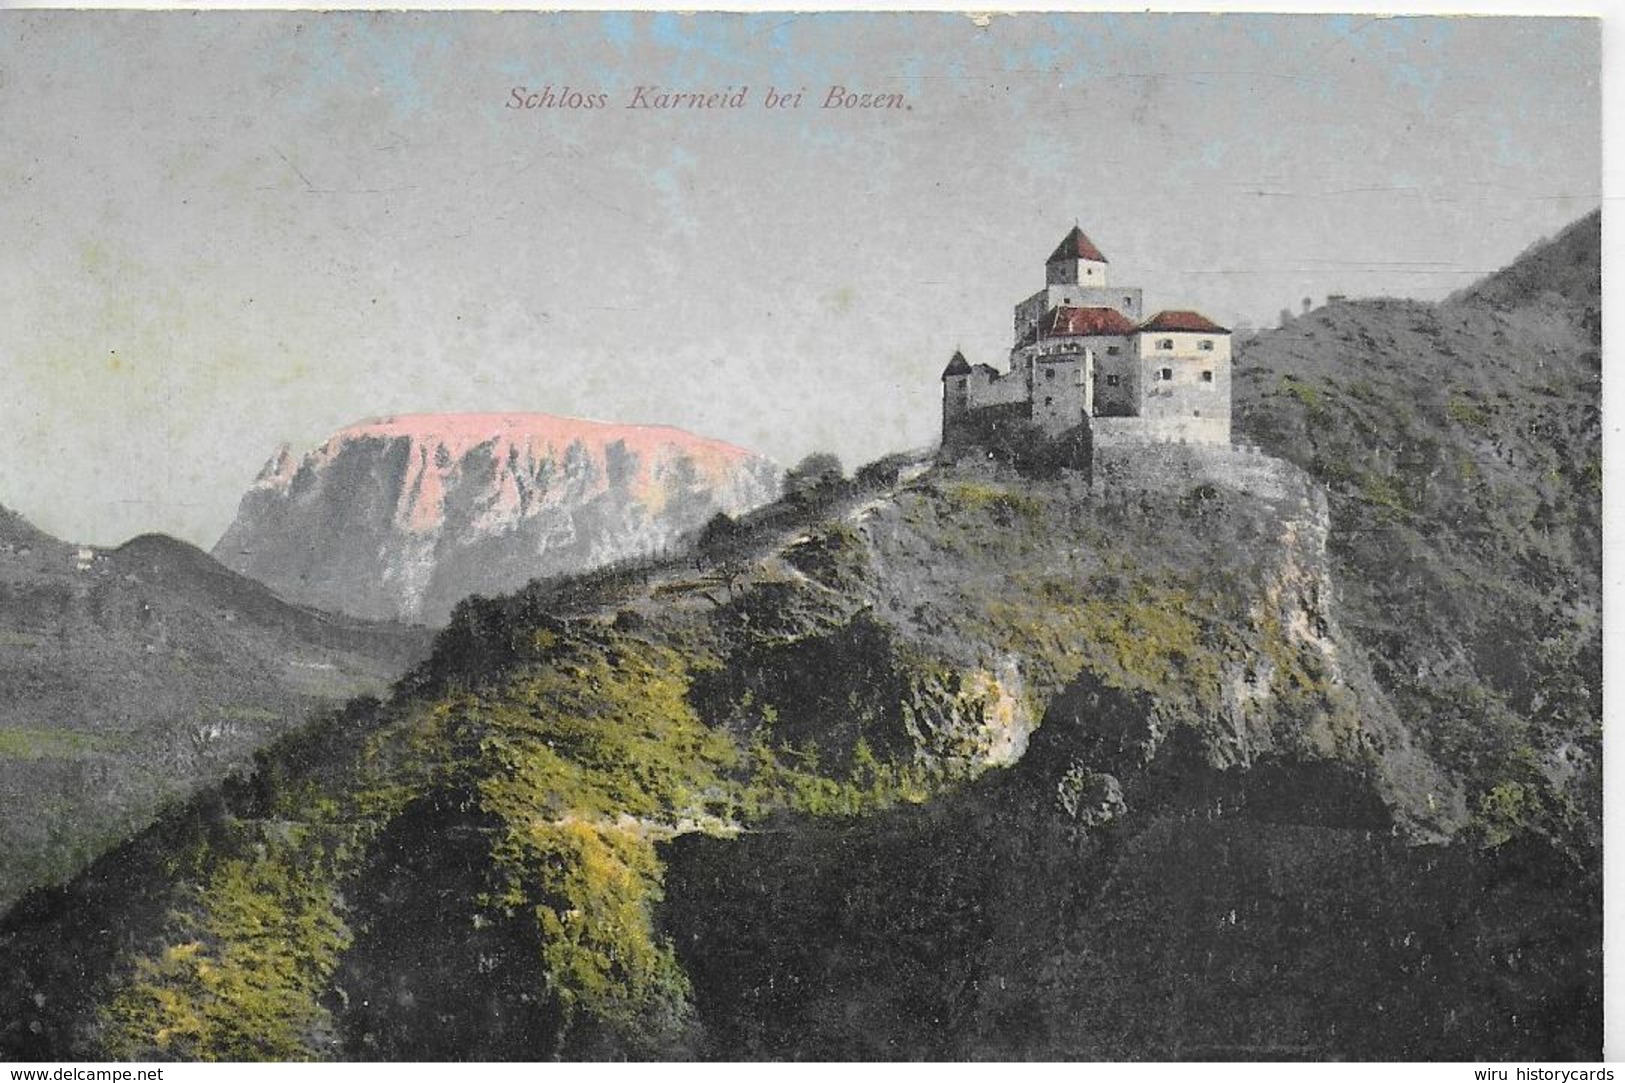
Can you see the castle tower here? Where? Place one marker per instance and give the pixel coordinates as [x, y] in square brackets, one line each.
[1075, 275]
[1076, 262]
[955, 392]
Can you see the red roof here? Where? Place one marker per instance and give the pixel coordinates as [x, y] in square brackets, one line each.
[1182, 320]
[1076, 246]
[1067, 320]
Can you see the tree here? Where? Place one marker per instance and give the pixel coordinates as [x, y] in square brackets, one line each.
[719, 530]
[817, 470]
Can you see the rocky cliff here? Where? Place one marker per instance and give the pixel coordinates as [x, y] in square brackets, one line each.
[968, 764]
[400, 518]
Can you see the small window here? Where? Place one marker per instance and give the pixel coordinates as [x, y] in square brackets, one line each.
[1207, 376]
[1048, 401]
[1128, 302]
[1049, 374]
[1089, 271]
[1167, 374]
[1113, 351]
[1196, 413]
[1205, 344]
[1111, 381]
[1165, 344]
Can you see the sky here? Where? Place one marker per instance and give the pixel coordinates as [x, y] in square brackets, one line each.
[223, 231]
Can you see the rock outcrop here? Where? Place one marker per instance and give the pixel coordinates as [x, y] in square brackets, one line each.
[402, 517]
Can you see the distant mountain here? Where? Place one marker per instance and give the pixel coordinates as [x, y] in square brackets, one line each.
[131, 676]
[1560, 271]
[402, 517]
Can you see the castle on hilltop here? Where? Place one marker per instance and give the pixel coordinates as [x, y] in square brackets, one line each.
[1086, 357]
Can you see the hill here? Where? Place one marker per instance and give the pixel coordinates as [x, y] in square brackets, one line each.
[1249, 754]
[132, 676]
[1460, 446]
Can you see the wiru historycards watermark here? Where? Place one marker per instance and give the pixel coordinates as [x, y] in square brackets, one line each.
[835, 96]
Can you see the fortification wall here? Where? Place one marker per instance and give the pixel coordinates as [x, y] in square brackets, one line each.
[1175, 468]
[984, 390]
[1112, 431]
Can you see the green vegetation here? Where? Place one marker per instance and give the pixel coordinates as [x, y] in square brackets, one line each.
[247, 959]
[1467, 413]
[1004, 505]
[43, 744]
[1466, 542]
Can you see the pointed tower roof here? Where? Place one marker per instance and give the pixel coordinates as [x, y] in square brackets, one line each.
[957, 367]
[1075, 245]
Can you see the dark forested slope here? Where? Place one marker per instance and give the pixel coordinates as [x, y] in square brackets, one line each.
[133, 676]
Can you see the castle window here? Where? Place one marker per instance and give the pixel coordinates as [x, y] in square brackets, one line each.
[1128, 302]
[1167, 374]
[1207, 376]
[1049, 374]
[1111, 381]
[1113, 351]
[1165, 343]
[1049, 401]
[1196, 413]
[1205, 344]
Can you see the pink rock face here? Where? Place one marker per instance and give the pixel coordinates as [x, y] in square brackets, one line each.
[401, 516]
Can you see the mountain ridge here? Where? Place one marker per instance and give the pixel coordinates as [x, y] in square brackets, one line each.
[399, 517]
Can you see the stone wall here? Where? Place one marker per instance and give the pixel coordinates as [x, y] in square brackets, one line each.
[1175, 390]
[1121, 465]
[1117, 376]
[1126, 299]
[1129, 300]
[1027, 313]
[985, 428]
[1186, 383]
[987, 390]
[1073, 271]
[1166, 430]
[955, 400]
[1060, 393]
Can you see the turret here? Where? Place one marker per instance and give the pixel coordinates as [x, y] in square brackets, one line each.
[955, 392]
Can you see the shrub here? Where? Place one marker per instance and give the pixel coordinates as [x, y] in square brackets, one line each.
[819, 470]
